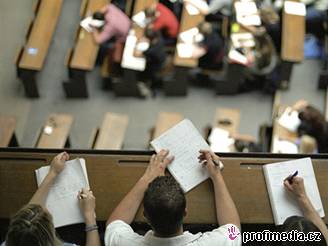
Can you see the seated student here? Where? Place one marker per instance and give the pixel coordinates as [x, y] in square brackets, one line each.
[165, 207]
[214, 9]
[210, 50]
[117, 25]
[32, 225]
[155, 56]
[313, 123]
[162, 19]
[311, 222]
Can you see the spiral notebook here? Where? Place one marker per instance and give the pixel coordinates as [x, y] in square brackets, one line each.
[184, 142]
[283, 204]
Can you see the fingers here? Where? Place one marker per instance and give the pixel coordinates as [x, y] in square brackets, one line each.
[288, 185]
[168, 161]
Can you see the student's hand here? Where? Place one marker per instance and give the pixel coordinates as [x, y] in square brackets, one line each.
[58, 163]
[87, 203]
[157, 165]
[296, 187]
[208, 158]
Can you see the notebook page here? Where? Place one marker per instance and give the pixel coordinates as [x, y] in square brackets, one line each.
[184, 142]
[62, 200]
[282, 202]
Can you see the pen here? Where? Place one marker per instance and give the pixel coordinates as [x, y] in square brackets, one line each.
[290, 177]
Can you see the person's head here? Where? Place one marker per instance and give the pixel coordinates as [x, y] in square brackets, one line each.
[151, 13]
[308, 145]
[165, 206]
[32, 226]
[314, 119]
[300, 224]
[98, 16]
[205, 28]
[151, 34]
[269, 16]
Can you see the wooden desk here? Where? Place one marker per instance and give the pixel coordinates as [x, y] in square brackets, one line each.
[223, 115]
[113, 174]
[293, 32]
[7, 132]
[84, 55]
[165, 121]
[59, 137]
[112, 131]
[32, 58]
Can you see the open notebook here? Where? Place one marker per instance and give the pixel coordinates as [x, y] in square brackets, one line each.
[184, 142]
[283, 203]
[62, 200]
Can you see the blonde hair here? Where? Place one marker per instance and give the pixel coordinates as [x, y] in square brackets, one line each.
[308, 145]
[32, 225]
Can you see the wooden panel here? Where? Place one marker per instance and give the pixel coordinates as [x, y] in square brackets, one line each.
[37, 46]
[165, 121]
[112, 176]
[7, 130]
[187, 22]
[293, 32]
[225, 115]
[61, 125]
[112, 131]
[86, 50]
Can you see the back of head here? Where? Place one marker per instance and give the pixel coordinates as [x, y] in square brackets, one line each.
[301, 225]
[205, 28]
[31, 226]
[150, 12]
[164, 205]
[98, 16]
[151, 34]
[308, 145]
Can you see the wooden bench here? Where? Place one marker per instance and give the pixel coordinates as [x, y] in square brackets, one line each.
[113, 173]
[55, 132]
[165, 121]
[112, 131]
[7, 132]
[32, 57]
[83, 57]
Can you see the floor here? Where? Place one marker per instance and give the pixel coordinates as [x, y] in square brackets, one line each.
[199, 106]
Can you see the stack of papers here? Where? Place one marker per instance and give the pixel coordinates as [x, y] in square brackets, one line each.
[129, 61]
[89, 22]
[140, 19]
[192, 10]
[185, 50]
[62, 200]
[237, 57]
[220, 141]
[245, 39]
[187, 38]
[247, 14]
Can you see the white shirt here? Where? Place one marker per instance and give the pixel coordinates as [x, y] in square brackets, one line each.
[118, 233]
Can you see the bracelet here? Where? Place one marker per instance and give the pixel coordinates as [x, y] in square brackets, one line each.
[91, 228]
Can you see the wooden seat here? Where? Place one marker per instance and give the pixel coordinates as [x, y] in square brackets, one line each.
[39, 38]
[165, 121]
[55, 132]
[7, 131]
[112, 132]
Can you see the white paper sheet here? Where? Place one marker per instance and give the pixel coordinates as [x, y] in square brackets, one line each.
[282, 202]
[62, 200]
[129, 60]
[284, 146]
[140, 19]
[184, 142]
[192, 10]
[295, 8]
[189, 35]
[289, 119]
[185, 50]
[242, 40]
[247, 14]
[236, 56]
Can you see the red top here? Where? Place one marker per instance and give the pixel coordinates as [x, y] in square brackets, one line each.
[167, 21]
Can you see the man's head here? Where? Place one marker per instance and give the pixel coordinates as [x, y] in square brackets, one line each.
[165, 205]
[205, 28]
[151, 13]
[98, 16]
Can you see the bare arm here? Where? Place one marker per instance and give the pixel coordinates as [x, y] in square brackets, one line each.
[87, 203]
[128, 207]
[226, 211]
[309, 212]
[57, 165]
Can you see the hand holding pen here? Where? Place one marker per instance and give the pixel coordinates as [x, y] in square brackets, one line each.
[210, 161]
[87, 203]
[295, 185]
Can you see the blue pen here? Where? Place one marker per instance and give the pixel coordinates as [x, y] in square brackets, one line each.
[290, 177]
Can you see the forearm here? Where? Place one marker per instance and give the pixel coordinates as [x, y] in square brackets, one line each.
[311, 214]
[92, 237]
[226, 211]
[128, 207]
[41, 194]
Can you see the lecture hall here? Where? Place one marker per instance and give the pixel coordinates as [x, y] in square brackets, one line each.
[163, 122]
